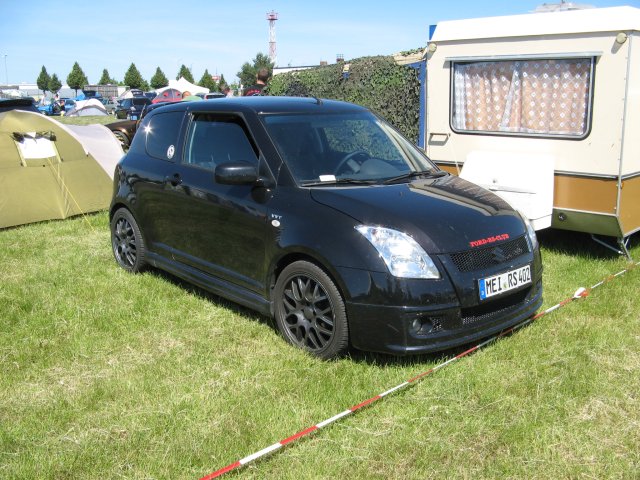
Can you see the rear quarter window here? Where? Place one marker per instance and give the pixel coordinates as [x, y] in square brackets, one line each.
[161, 135]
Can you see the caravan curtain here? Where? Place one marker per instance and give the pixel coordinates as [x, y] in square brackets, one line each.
[549, 97]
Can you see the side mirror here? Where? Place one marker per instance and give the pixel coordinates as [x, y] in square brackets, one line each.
[236, 173]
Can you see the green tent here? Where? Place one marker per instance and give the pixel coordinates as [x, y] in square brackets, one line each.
[46, 172]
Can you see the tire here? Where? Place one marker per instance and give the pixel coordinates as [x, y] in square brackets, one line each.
[123, 139]
[127, 242]
[310, 310]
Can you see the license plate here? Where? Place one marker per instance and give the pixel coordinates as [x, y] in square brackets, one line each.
[504, 282]
[133, 117]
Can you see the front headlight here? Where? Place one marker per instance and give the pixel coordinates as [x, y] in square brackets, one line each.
[531, 232]
[401, 253]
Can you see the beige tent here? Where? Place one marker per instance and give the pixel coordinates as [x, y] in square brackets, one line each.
[91, 106]
[46, 172]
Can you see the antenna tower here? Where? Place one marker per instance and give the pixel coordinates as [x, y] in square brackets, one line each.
[272, 17]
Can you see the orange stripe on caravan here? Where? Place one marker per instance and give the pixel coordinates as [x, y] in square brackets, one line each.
[585, 194]
[630, 205]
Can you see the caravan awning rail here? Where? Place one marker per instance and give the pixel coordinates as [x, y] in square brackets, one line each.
[528, 56]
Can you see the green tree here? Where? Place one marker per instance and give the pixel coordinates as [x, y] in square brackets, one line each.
[77, 79]
[222, 83]
[43, 81]
[159, 79]
[186, 73]
[133, 79]
[249, 71]
[106, 79]
[207, 81]
[54, 84]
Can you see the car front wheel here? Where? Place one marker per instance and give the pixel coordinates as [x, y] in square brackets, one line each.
[127, 242]
[310, 310]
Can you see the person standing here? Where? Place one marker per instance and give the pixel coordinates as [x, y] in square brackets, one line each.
[261, 82]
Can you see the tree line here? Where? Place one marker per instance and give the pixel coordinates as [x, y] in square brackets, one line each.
[77, 79]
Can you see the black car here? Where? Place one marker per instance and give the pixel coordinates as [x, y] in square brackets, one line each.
[26, 104]
[320, 214]
[130, 108]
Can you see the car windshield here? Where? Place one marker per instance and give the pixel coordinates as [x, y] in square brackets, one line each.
[356, 148]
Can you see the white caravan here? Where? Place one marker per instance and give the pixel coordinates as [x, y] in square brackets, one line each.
[543, 109]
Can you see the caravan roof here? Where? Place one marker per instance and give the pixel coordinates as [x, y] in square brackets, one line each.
[547, 23]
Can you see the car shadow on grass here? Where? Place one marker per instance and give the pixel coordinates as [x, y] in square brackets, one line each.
[419, 361]
[424, 361]
[219, 301]
[582, 245]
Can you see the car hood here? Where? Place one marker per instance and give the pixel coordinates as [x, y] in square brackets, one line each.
[444, 215]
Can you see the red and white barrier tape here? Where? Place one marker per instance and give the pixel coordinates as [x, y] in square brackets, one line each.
[580, 293]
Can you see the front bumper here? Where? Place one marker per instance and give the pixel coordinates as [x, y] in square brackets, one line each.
[411, 330]
[411, 316]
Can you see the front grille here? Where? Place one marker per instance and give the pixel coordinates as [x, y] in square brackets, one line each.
[477, 259]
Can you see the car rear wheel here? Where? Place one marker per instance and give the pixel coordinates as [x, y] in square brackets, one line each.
[310, 310]
[127, 242]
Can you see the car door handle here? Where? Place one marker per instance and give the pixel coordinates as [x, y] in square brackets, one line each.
[174, 179]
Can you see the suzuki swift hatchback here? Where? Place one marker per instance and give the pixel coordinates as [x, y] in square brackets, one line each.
[322, 215]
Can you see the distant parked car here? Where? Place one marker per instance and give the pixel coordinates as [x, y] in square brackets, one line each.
[130, 108]
[110, 104]
[52, 107]
[150, 95]
[124, 130]
[25, 104]
[208, 96]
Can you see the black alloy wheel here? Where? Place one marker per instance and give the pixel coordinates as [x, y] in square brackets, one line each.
[127, 242]
[310, 311]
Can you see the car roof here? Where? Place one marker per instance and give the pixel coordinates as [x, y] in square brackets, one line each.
[269, 105]
[7, 104]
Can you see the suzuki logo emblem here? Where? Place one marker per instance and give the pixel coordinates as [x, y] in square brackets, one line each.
[498, 255]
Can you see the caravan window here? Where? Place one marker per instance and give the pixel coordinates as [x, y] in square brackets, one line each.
[549, 97]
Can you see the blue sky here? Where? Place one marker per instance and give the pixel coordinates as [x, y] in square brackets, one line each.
[217, 36]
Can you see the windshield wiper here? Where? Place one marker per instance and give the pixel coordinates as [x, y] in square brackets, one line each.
[428, 174]
[340, 181]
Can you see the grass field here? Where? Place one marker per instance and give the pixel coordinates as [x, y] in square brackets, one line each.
[111, 375]
[88, 120]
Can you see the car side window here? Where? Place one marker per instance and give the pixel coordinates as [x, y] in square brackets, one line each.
[213, 141]
[162, 132]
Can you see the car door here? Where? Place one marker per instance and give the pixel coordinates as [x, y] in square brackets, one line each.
[218, 229]
[154, 156]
